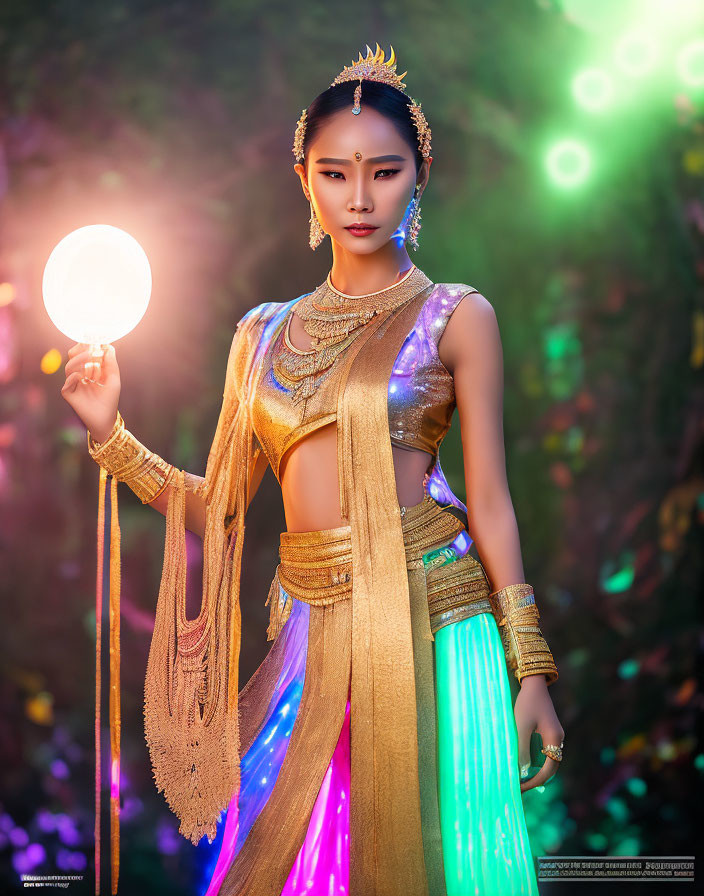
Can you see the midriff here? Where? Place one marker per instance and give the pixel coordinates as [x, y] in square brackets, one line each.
[309, 480]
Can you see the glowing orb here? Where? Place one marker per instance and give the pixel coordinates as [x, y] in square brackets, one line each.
[97, 283]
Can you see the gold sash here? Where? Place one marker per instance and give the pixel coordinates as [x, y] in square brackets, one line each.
[395, 846]
[386, 850]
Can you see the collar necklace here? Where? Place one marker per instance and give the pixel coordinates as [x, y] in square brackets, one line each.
[330, 315]
[333, 319]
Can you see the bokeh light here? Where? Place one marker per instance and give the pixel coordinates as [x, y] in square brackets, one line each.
[636, 53]
[593, 89]
[568, 163]
[51, 361]
[690, 64]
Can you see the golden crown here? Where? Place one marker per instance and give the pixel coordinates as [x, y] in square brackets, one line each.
[372, 67]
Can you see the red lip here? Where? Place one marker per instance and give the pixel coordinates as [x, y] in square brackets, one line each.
[361, 229]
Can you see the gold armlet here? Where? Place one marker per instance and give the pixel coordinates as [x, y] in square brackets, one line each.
[127, 460]
[517, 616]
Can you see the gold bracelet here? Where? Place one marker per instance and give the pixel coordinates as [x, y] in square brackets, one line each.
[128, 461]
[517, 616]
[117, 425]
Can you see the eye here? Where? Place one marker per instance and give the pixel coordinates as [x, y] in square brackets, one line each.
[387, 172]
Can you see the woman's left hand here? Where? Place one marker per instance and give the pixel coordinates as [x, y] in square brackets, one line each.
[534, 712]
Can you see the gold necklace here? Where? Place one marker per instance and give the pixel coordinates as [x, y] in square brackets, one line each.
[333, 319]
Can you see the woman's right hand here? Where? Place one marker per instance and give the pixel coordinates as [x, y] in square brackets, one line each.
[94, 402]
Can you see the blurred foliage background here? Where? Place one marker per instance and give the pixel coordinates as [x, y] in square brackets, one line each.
[174, 121]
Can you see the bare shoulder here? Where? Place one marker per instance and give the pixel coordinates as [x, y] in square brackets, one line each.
[472, 324]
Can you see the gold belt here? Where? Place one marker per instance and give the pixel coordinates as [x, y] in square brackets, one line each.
[316, 567]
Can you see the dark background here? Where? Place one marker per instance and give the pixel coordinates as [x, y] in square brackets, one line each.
[174, 121]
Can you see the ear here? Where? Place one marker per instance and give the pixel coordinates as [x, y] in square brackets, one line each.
[423, 175]
[300, 170]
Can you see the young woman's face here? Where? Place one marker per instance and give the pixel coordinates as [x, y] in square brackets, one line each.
[360, 169]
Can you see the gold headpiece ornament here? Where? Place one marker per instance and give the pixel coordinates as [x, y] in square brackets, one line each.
[372, 67]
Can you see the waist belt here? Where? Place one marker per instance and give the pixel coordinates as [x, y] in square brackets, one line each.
[316, 567]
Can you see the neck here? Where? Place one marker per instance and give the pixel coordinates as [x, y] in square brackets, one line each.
[358, 275]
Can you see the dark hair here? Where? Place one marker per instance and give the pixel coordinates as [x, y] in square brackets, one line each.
[387, 100]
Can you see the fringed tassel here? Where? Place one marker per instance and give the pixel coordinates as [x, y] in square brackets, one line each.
[191, 688]
[98, 640]
[194, 742]
[114, 705]
[279, 611]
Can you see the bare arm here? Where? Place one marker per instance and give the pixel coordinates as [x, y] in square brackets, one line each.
[195, 502]
[470, 348]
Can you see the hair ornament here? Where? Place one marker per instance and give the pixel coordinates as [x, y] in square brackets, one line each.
[299, 136]
[422, 128]
[372, 67]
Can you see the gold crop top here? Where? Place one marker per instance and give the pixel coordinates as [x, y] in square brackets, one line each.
[421, 395]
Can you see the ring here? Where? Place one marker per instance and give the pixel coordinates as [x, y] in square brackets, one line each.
[553, 751]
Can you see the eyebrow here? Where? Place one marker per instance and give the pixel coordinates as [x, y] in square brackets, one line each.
[374, 161]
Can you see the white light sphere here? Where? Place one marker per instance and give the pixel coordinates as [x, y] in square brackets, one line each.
[97, 284]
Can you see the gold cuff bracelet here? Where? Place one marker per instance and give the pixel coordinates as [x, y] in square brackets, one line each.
[129, 461]
[525, 647]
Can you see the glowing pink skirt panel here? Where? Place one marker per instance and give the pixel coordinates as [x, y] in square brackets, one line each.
[322, 865]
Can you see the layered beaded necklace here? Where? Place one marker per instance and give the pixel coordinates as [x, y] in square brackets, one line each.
[333, 319]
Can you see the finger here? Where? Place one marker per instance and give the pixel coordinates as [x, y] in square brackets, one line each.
[549, 767]
[551, 736]
[524, 747]
[93, 369]
[104, 358]
[72, 380]
[78, 362]
[78, 357]
[109, 359]
[79, 346]
[548, 771]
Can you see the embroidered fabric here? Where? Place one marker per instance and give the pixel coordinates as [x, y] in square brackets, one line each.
[421, 395]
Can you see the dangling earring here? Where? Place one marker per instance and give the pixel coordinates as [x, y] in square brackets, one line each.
[413, 225]
[317, 234]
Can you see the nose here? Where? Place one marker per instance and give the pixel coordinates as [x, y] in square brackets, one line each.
[359, 201]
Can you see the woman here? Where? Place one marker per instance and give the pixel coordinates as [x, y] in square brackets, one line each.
[374, 750]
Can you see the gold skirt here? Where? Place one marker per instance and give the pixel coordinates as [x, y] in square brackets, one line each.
[446, 585]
